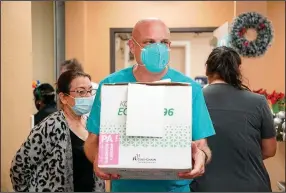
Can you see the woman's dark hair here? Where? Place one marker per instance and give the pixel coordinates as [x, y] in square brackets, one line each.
[65, 79]
[224, 63]
[45, 93]
[72, 64]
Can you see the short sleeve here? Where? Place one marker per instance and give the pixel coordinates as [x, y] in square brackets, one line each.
[93, 122]
[202, 124]
[267, 124]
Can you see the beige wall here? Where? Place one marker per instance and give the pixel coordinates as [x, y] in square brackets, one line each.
[88, 24]
[267, 71]
[75, 30]
[43, 41]
[16, 78]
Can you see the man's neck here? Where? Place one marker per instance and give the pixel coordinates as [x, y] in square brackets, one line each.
[141, 74]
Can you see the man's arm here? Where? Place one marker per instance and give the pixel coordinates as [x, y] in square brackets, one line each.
[202, 124]
[91, 144]
[93, 125]
[91, 147]
[203, 145]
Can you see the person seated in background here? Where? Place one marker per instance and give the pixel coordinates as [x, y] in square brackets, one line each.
[73, 64]
[44, 97]
[245, 133]
[52, 158]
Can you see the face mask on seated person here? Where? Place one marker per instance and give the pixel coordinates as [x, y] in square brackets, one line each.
[155, 57]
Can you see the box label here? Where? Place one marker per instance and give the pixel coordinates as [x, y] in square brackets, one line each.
[108, 149]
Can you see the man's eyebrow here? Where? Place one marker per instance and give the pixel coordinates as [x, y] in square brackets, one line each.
[150, 39]
[167, 40]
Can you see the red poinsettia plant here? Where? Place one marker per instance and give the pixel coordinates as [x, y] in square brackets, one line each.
[261, 91]
[276, 99]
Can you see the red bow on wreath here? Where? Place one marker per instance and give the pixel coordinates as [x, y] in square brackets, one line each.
[261, 26]
[242, 31]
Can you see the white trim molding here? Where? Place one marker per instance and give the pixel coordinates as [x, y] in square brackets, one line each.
[187, 46]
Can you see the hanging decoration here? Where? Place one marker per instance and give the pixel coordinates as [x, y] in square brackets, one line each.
[279, 124]
[35, 84]
[264, 34]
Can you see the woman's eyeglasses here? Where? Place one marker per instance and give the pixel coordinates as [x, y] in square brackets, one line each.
[83, 93]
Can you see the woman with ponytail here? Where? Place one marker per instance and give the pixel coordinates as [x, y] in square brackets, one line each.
[245, 134]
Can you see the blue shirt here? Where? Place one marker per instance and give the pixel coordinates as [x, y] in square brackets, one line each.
[202, 128]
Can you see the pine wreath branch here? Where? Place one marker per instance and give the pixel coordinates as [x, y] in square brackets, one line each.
[263, 27]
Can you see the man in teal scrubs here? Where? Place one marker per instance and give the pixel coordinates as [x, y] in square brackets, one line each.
[150, 44]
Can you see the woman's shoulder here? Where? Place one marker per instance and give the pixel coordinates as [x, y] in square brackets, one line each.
[54, 123]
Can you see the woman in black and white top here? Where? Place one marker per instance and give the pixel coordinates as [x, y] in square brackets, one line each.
[52, 157]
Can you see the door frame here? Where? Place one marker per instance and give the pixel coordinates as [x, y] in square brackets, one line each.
[113, 31]
[59, 39]
[59, 36]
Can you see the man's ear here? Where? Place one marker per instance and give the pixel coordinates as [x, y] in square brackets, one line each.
[131, 46]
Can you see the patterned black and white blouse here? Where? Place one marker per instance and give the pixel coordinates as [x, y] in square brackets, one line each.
[44, 161]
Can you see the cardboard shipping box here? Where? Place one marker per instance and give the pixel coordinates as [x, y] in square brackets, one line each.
[151, 139]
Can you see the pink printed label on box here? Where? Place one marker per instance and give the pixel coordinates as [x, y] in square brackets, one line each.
[108, 149]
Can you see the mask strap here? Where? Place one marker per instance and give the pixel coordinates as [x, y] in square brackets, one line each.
[137, 43]
[134, 54]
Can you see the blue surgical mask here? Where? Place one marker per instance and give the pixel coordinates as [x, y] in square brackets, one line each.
[155, 56]
[82, 105]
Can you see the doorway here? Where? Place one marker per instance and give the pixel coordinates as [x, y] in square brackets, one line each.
[186, 45]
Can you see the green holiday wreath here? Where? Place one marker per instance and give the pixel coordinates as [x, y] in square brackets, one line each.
[263, 28]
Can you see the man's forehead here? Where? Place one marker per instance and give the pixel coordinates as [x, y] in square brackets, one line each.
[151, 29]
